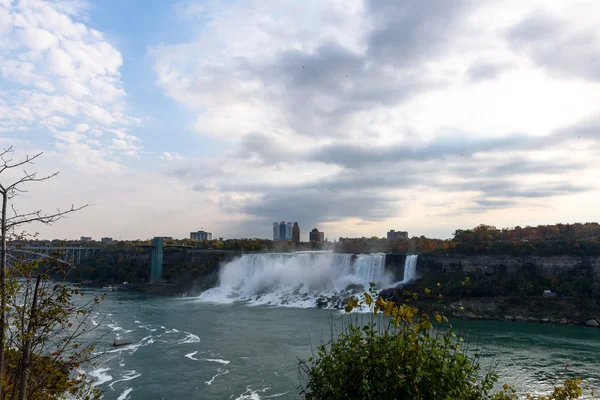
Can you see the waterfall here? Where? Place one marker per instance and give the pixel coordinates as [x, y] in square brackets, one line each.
[370, 267]
[410, 269]
[300, 279]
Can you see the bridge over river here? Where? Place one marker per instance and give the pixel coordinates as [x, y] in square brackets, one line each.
[73, 255]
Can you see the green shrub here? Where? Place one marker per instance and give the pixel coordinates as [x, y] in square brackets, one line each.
[397, 354]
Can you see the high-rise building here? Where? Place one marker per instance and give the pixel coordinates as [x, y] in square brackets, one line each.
[201, 235]
[275, 230]
[288, 231]
[106, 240]
[296, 233]
[86, 239]
[392, 234]
[282, 230]
[316, 236]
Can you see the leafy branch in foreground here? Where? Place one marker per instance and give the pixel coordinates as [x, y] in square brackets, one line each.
[399, 353]
[45, 336]
[41, 323]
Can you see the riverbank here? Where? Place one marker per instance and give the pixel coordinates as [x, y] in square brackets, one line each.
[552, 310]
[166, 289]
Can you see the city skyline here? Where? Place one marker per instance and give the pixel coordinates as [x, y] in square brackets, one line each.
[431, 117]
[283, 230]
[542, 231]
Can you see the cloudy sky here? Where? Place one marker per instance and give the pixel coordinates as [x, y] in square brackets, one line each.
[353, 116]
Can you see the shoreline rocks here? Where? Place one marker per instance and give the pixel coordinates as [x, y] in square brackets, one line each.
[592, 323]
[555, 311]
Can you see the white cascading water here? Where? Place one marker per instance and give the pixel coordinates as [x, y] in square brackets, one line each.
[301, 279]
[410, 269]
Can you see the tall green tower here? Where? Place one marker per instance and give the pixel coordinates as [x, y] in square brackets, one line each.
[156, 267]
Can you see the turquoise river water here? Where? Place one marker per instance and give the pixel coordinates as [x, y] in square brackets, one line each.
[187, 348]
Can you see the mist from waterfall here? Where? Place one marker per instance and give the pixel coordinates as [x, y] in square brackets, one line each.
[297, 279]
[303, 279]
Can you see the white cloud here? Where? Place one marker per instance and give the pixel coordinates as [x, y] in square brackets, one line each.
[356, 116]
[55, 121]
[86, 157]
[170, 156]
[45, 86]
[120, 203]
[69, 136]
[81, 128]
[280, 81]
[67, 74]
[36, 38]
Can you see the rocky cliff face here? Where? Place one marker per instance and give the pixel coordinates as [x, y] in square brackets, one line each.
[394, 264]
[192, 270]
[509, 287]
[185, 270]
[499, 264]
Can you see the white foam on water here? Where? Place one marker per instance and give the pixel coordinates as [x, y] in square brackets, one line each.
[114, 327]
[191, 356]
[86, 391]
[250, 394]
[127, 376]
[132, 348]
[296, 279]
[217, 360]
[148, 328]
[101, 376]
[276, 395]
[136, 322]
[108, 359]
[189, 338]
[221, 371]
[125, 394]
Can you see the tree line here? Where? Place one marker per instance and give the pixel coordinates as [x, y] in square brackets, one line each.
[578, 239]
[581, 239]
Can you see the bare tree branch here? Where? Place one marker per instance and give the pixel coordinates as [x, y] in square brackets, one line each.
[7, 163]
[30, 178]
[6, 151]
[41, 217]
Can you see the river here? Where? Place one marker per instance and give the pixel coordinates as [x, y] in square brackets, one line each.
[242, 339]
[185, 348]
